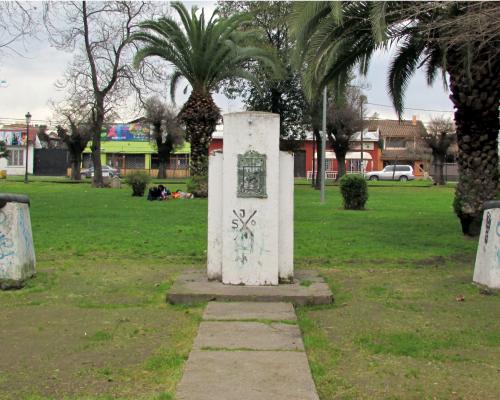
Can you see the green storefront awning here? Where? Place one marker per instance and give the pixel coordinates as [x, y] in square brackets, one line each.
[130, 147]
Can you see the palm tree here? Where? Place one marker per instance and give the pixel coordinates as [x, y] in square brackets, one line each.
[457, 38]
[205, 53]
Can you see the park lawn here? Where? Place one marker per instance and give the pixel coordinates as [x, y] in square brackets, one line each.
[93, 324]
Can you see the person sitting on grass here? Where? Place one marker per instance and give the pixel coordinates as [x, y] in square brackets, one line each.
[164, 192]
[159, 192]
[182, 195]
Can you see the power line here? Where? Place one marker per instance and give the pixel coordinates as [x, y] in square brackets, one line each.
[411, 108]
[20, 119]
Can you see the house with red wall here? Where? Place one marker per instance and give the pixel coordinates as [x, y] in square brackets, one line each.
[305, 155]
[384, 142]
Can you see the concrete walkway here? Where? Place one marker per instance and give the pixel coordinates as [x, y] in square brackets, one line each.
[247, 351]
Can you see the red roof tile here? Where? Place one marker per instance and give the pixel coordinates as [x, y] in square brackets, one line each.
[395, 128]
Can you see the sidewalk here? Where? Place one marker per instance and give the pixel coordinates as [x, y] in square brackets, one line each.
[248, 351]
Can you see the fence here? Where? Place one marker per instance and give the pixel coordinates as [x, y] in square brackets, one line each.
[450, 171]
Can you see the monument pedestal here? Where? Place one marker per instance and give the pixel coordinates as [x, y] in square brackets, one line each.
[250, 203]
[250, 223]
[192, 287]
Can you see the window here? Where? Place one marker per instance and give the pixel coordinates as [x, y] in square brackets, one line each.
[389, 168]
[134, 161]
[395, 143]
[403, 168]
[16, 157]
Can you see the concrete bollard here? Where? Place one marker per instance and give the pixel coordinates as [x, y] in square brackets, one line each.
[17, 253]
[487, 267]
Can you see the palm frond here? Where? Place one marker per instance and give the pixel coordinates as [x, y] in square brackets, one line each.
[401, 69]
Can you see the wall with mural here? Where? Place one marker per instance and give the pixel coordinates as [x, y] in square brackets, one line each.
[13, 138]
[126, 132]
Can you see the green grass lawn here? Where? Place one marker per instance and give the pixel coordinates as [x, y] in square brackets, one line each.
[94, 325]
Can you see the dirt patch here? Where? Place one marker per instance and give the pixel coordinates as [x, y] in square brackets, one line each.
[81, 333]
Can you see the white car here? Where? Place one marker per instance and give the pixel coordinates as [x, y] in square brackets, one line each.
[106, 171]
[401, 173]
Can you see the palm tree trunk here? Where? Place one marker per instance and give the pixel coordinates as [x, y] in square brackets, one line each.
[200, 115]
[475, 97]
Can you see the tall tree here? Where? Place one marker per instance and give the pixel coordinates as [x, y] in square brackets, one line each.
[166, 131]
[440, 136]
[458, 38]
[205, 53]
[101, 74]
[282, 94]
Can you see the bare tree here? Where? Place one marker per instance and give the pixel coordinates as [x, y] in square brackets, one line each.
[440, 136]
[342, 123]
[101, 74]
[17, 22]
[166, 131]
[343, 120]
[74, 127]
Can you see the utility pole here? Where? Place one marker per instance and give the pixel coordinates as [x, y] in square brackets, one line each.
[362, 99]
[323, 145]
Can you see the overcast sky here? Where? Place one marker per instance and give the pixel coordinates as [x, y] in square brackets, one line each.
[30, 86]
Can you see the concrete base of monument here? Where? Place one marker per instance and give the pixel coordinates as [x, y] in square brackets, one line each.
[308, 288]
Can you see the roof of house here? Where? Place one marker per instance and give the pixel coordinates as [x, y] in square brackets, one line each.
[395, 128]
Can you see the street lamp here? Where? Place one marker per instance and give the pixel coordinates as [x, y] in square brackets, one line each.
[28, 120]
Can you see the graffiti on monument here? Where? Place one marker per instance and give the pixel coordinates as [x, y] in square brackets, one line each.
[243, 227]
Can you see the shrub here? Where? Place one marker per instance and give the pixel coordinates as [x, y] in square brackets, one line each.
[354, 191]
[138, 180]
[198, 185]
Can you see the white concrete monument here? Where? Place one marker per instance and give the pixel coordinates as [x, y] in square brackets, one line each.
[487, 268]
[17, 254]
[250, 204]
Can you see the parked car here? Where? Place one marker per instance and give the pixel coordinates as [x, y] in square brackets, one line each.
[106, 171]
[392, 172]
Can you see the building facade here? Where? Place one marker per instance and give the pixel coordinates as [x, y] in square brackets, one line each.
[15, 140]
[129, 147]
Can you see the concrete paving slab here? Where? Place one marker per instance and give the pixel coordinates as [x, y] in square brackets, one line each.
[244, 311]
[193, 287]
[248, 336]
[247, 375]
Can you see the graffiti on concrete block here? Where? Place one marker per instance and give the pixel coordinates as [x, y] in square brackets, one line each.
[6, 244]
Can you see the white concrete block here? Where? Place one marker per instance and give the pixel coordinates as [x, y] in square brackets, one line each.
[487, 267]
[17, 253]
[286, 206]
[250, 226]
[214, 250]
